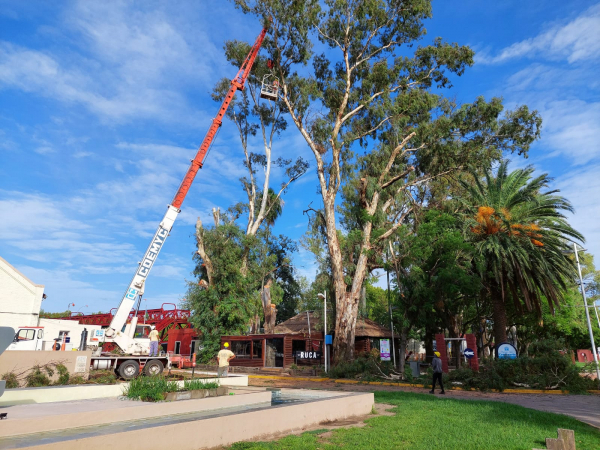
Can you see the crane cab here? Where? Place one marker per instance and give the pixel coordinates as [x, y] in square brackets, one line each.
[269, 89]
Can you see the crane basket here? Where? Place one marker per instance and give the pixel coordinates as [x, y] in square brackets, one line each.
[269, 91]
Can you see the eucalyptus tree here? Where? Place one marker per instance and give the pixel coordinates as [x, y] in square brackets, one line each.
[371, 88]
[517, 226]
[263, 121]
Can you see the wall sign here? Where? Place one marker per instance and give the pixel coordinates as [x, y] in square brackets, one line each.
[308, 355]
[384, 349]
[80, 364]
[506, 351]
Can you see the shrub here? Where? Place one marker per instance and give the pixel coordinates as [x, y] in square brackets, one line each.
[37, 378]
[12, 381]
[102, 377]
[77, 379]
[63, 375]
[545, 368]
[365, 367]
[150, 389]
[294, 367]
[194, 385]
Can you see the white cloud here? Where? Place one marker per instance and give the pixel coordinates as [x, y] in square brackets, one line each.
[578, 40]
[132, 62]
[581, 187]
[45, 150]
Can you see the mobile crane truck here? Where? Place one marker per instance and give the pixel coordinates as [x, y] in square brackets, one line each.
[132, 338]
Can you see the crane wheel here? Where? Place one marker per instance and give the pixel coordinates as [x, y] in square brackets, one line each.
[153, 367]
[129, 369]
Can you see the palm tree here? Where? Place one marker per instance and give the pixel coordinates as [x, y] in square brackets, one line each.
[521, 234]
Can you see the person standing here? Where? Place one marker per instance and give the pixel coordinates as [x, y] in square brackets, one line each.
[153, 341]
[436, 365]
[224, 356]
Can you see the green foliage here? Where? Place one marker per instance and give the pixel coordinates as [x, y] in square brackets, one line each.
[39, 376]
[12, 380]
[196, 384]
[545, 368]
[63, 375]
[377, 91]
[230, 302]
[517, 226]
[102, 377]
[366, 367]
[150, 389]
[77, 379]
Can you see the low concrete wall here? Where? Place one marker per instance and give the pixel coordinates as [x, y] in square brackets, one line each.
[50, 394]
[229, 428]
[18, 361]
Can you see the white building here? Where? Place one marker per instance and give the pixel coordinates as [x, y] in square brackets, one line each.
[20, 298]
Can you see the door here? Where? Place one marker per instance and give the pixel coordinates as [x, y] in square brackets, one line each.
[274, 352]
[25, 339]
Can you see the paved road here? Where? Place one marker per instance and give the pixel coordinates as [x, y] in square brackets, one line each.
[585, 408]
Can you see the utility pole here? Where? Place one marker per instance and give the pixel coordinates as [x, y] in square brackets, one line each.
[324, 297]
[391, 320]
[587, 315]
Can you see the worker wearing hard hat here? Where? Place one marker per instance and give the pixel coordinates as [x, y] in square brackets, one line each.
[224, 356]
[436, 365]
[153, 341]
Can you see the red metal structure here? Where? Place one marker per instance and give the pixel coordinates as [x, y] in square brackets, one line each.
[163, 319]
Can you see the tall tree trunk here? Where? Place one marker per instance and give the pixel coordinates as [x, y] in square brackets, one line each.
[208, 265]
[402, 349]
[268, 310]
[499, 316]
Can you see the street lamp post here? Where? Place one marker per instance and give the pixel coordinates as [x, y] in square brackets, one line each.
[587, 315]
[391, 318]
[324, 297]
[597, 318]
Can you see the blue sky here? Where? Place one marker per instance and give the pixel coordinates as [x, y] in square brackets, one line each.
[102, 104]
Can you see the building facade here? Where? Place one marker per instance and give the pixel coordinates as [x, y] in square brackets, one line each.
[20, 298]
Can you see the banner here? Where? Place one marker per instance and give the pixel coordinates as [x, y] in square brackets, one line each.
[384, 349]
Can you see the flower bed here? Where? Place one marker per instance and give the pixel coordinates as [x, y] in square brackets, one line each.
[157, 388]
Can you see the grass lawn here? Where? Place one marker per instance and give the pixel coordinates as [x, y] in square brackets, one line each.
[426, 422]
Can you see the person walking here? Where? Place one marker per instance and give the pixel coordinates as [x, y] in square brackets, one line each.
[224, 356]
[436, 365]
[153, 341]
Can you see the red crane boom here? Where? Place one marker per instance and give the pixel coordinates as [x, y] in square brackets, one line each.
[237, 83]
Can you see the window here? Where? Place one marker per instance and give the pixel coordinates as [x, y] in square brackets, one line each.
[142, 331]
[40, 334]
[257, 349]
[241, 349]
[26, 335]
[177, 347]
[298, 346]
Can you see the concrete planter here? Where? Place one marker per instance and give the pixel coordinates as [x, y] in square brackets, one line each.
[197, 394]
